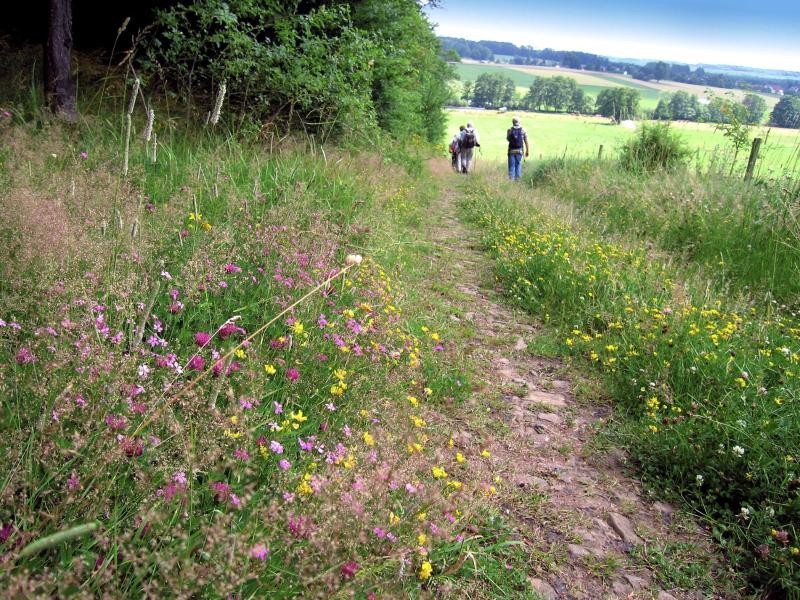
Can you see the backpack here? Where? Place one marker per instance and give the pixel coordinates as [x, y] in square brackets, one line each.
[469, 139]
[515, 138]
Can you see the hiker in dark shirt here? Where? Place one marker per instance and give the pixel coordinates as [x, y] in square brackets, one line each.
[517, 143]
[469, 141]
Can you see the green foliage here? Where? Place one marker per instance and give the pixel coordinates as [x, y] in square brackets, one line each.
[654, 147]
[786, 112]
[492, 90]
[662, 111]
[756, 106]
[619, 103]
[734, 126]
[558, 94]
[335, 68]
[684, 106]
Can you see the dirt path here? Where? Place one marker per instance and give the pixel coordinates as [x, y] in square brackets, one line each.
[574, 506]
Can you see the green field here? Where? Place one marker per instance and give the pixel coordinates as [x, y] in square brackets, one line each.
[522, 77]
[558, 134]
[593, 82]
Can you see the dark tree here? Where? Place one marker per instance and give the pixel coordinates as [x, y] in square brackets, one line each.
[756, 107]
[59, 87]
[786, 112]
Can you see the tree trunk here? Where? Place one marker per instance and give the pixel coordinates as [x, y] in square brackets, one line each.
[59, 87]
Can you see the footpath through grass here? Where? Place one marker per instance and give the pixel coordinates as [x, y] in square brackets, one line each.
[710, 383]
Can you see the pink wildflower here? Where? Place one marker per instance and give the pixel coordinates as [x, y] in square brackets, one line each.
[201, 338]
[116, 422]
[292, 374]
[73, 482]
[241, 454]
[84, 155]
[259, 551]
[379, 532]
[197, 363]
[229, 329]
[284, 464]
[276, 447]
[349, 569]
[221, 491]
[25, 356]
[232, 268]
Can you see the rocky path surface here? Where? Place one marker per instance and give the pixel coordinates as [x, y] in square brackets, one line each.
[575, 507]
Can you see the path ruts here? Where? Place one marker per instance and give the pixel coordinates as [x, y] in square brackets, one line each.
[572, 505]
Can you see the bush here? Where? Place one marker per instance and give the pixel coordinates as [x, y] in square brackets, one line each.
[654, 147]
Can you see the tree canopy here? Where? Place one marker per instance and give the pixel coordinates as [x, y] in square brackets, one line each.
[787, 112]
[618, 103]
[333, 66]
[492, 90]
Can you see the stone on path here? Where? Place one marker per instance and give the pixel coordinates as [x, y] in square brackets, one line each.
[544, 589]
[662, 595]
[621, 588]
[521, 344]
[547, 398]
[636, 582]
[576, 551]
[624, 529]
[550, 418]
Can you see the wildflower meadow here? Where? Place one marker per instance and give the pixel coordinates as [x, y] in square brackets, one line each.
[709, 381]
[210, 387]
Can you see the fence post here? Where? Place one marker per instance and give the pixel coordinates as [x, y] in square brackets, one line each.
[600, 152]
[751, 163]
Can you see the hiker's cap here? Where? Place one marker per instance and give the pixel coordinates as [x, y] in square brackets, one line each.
[469, 125]
[515, 120]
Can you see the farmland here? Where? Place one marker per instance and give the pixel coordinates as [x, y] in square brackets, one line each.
[593, 82]
[554, 135]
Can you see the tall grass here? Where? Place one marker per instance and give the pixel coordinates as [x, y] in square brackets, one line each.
[744, 237]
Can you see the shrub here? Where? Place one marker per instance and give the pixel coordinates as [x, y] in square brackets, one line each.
[654, 147]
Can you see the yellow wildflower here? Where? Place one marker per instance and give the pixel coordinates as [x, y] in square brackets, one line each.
[460, 457]
[439, 472]
[368, 439]
[425, 570]
[485, 453]
[270, 370]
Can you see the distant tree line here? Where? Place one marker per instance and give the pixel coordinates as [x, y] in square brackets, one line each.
[652, 71]
[562, 94]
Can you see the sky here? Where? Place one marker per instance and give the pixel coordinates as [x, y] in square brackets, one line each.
[733, 32]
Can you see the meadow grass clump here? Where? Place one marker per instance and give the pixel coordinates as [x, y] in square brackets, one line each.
[744, 238]
[654, 147]
[711, 385]
[221, 403]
